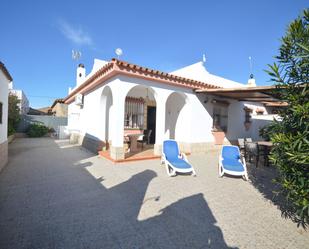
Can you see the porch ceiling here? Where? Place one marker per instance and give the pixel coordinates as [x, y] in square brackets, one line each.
[262, 94]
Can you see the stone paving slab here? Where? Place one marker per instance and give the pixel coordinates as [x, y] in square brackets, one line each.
[54, 195]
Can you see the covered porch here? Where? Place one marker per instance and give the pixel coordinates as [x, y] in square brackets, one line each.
[143, 116]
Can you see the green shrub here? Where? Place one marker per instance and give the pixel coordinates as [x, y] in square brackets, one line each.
[11, 130]
[13, 114]
[266, 131]
[291, 136]
[37, 130]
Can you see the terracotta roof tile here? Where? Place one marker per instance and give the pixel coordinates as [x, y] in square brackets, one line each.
[115, 67]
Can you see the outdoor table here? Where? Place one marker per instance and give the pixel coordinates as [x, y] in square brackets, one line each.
[266, 147]
[133, 141]
[265, 143]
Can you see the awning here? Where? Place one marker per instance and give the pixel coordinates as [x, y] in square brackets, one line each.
[262, 94]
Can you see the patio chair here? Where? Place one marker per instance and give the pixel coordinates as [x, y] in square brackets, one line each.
[252, 151]
[241, 145]
[174, 160]
[144, 139]
[231, 163]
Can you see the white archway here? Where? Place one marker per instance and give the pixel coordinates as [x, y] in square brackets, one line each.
[140, 110]
[106, 103]
[175, 116]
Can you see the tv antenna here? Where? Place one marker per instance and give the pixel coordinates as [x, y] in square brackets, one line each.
[251, 67]
[76, 55]
[118, 52]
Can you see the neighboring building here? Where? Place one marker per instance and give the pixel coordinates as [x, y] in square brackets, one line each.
[118, 98]
[5, 80]
[59, 108]
[24, 102]
[41, 111]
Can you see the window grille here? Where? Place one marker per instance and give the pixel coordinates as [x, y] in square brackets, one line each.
[134, 113]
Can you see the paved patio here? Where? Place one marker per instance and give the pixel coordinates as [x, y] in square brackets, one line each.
[54, 195]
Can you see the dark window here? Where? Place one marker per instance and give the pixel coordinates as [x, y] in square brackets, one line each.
[248, 112]
[1, 112]
[220, 117]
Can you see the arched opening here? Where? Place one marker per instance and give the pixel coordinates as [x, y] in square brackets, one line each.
[175, 118]
[106, 103]
[139, 119]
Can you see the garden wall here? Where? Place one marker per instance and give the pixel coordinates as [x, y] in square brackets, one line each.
[49, 121]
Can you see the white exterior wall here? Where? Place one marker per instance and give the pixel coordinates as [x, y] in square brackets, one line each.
[201, 120]
[236, 119]
[88, 119]
[194, 120]
[181, 114]
[4, 100]
[193, 124]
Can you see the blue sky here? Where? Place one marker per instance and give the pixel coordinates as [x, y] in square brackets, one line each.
[37, 38]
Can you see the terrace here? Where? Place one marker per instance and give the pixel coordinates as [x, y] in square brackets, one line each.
[78, 200]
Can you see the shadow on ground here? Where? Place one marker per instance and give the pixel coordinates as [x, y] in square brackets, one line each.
[263, 179]
[61, 205]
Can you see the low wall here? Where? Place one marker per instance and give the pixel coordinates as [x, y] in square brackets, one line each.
[49, 121]
[3, 154]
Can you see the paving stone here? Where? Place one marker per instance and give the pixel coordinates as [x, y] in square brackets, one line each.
[56, 195]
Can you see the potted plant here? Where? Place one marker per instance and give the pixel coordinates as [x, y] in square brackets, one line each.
[219, 135]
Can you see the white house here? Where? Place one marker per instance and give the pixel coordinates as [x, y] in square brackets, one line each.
[118, 98]
[23, 100]
[5, 79]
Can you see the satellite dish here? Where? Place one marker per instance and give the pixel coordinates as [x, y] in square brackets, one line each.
[76, 55]
[118, 52]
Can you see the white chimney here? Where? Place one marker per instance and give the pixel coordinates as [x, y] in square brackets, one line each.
[80, 74]
[251, 81]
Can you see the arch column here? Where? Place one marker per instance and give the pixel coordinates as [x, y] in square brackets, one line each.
[117, 126]
[161, 98]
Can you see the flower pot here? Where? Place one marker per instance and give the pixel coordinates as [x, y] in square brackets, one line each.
[219, 137]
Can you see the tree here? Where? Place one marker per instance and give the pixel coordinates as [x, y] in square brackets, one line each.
[291, 136]
[13, 114]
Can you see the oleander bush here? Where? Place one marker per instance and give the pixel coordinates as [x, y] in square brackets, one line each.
[37, 130]
[291, 135]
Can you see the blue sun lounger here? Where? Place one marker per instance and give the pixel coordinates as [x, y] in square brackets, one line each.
[174, 160]
[230, 162]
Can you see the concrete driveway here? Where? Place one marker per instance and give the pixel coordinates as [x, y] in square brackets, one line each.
[54, 195]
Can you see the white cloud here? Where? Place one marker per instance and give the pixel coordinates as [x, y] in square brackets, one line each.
[75, 35]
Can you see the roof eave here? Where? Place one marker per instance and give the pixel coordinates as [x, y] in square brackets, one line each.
[117, 67]
[5, 72]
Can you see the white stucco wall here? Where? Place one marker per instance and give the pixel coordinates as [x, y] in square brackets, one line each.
[187, 109]
[193, 120]
[236, 119]
[4, 100]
